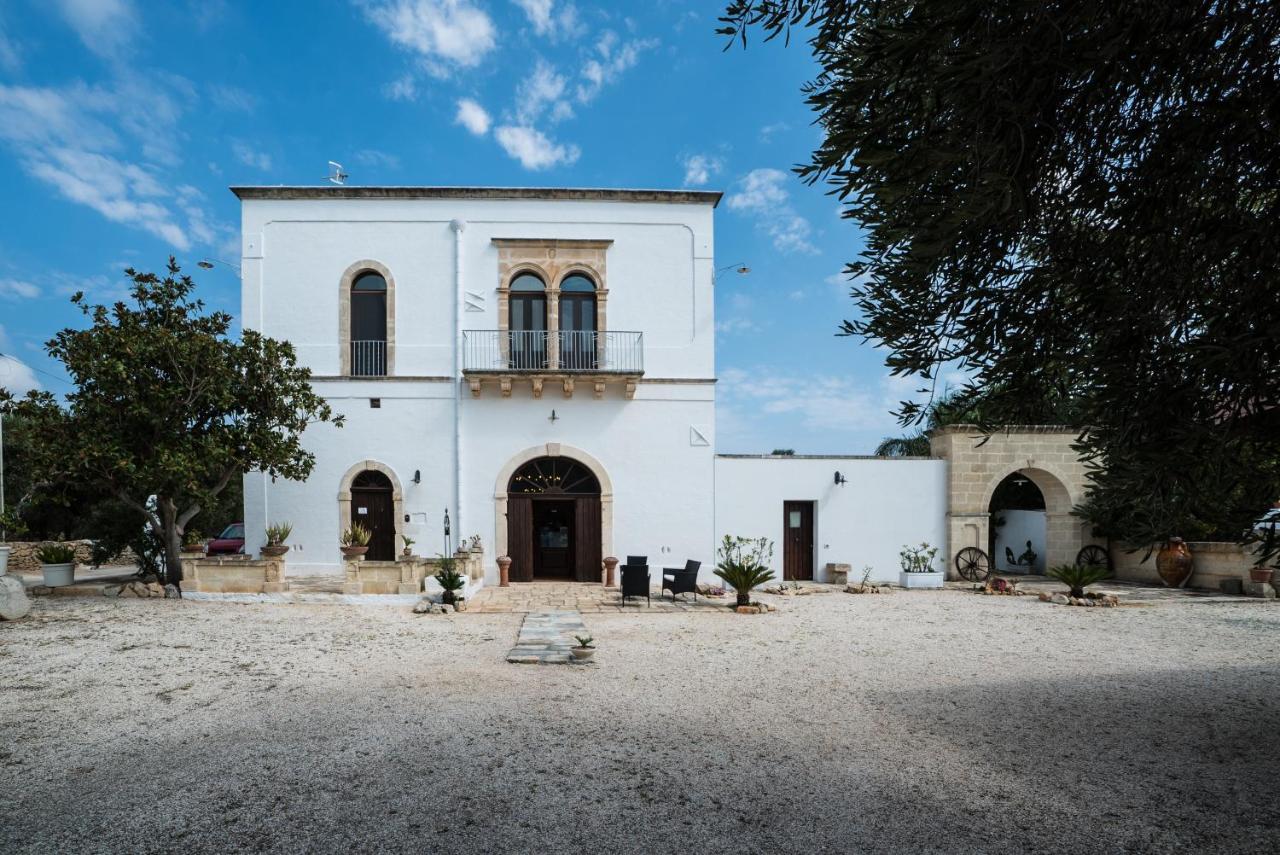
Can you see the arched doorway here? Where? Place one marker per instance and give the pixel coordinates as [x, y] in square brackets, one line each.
[1017, 530]
[373, 506]
[553, 521]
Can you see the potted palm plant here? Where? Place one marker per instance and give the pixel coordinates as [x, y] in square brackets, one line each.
[744, 564]
[450, 580]
[58, 562]
[1077, 577]
[408, 545]
[354, 542]
[584, 649]
[277, 534]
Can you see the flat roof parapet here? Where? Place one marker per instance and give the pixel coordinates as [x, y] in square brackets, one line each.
[575, 194]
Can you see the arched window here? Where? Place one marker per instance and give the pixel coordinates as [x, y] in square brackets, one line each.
[578, 344]
[528, 322]
[369, 325]
[554, 475]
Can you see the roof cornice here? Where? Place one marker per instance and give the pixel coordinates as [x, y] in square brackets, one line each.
[572, 194]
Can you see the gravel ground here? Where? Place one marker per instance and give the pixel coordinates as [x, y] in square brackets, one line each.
[915, 722]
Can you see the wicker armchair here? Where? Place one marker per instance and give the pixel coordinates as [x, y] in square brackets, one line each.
[635, 581]
[681, 581]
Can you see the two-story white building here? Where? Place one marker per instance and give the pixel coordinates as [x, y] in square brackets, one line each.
[539, 364]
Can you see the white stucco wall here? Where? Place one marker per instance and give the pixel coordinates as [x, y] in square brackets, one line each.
[885, 505]
[1018, 528]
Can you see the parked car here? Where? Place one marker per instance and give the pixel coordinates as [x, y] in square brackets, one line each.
[230, 542]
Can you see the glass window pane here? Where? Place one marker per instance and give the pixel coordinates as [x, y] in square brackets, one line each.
[794, 519]
[577, 282]
[369, 316]
[369, 282]
[527, 282]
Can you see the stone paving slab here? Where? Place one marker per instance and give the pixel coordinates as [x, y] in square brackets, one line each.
[545, 638]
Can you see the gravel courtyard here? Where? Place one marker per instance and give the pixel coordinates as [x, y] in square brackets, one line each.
[915, 722]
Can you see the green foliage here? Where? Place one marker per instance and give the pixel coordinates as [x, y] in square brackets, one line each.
[584, 640]
[1078, 578]
[167, 404]
[278, 533]
[408, 542]
[450, 579]
[356, 535]
[193, 537]
[1074, 204]
[917, 559]
[56, 553]
[744, 564]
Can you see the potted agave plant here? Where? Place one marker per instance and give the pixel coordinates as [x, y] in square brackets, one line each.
[277, 534]
[58, 561]
[450, 579]
[355, 541]
[584, 649]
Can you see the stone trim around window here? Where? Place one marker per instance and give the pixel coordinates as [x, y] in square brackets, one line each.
[552, 260]
[344, 314]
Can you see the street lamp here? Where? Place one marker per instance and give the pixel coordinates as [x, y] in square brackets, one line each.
[738, 268]
[208, 263]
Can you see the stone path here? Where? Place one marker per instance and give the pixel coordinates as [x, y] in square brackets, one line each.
[545, 638]
[585, 597]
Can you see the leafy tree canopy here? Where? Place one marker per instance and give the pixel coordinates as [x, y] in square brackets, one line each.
[1073, 200]
[168, 409]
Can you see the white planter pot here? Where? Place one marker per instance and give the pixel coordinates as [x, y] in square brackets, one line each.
[58, 575]
[921, 580]
[4, 558]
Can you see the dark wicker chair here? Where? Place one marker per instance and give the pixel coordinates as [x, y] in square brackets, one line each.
[681, 581]
[635, 581]
[637, 561]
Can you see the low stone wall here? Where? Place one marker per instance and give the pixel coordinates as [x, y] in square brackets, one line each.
[23, 557]
[233, 575]
[405, 575]
[1213, 563]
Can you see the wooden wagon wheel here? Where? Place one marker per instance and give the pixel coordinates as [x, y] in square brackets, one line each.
[972, 564]
[1093, 556]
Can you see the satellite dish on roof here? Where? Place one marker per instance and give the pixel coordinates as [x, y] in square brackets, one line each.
[336, 174]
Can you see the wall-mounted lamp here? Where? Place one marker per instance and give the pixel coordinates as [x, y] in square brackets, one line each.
[840, 479]
[417, 476]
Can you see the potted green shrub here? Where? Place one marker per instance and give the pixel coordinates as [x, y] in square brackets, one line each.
[58, 562]
[584, 649]
[744, 564]
[9, 525]
[450, 580]
[193, 541]
[354, 542]
[408, 545]
[277, 534]
[917, 567]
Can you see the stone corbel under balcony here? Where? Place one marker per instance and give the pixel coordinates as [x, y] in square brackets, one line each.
[567, 383]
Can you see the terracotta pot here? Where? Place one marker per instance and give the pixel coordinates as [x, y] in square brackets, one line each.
[354, 551]
[274, 550]
[504, 571]
[1174, 563]
[1260, 574]
[611, 572]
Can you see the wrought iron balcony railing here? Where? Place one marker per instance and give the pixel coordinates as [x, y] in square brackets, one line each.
[540, 351]
[368, 358]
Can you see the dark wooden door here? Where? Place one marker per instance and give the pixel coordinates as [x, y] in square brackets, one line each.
[586, 532]
[520, 537]
[797, 540]
[553, 538]
[374, 510]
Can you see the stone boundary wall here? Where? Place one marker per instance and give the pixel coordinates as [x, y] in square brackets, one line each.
[23, 557]
[405, 575]
[1213, 562]
[233, 574]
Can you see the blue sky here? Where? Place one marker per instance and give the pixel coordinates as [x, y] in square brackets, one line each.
[122, 123]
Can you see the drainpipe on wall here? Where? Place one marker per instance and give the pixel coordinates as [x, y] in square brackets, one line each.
[458, 227]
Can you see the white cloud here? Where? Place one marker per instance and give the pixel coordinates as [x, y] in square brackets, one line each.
[829, 402]
[15, 375]
[403, 88]
[232, 98]
[443, 33]
[548, 23]
[542, 93]
[18, 289]
[609, 63]
[768, 131]
[77, 139]
[250, 157]
[10, 52]
[105, 26]
[472, 117]
[378, 159]
[699, 168]
[533, 149]
[762, 195]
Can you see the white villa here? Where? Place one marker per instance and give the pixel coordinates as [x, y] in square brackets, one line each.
[539, 364]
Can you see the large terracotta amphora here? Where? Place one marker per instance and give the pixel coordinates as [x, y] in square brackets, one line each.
[1174, 563]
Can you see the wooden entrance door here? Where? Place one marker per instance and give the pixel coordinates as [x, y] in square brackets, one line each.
[797, 540]
[553, 538]
[373, 509]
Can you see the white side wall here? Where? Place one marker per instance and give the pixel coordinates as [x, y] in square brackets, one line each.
[886, 504]
[1018, 528]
